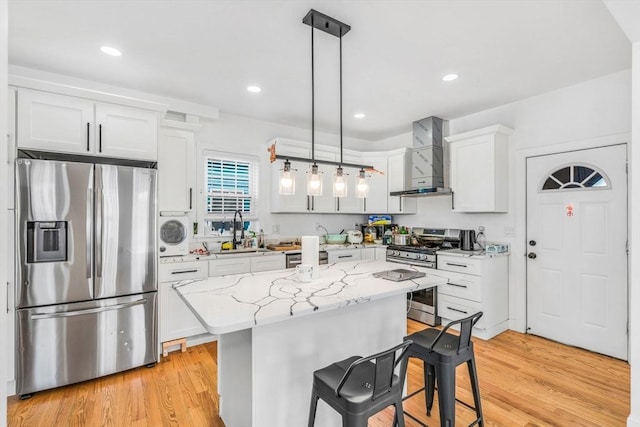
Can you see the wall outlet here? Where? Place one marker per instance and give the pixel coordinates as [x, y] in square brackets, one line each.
[275, 228]
[509, 231]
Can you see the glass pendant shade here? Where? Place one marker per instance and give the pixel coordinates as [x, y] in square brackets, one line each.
[314, 181]
[287, 185]
[339, 183]
[362, 186]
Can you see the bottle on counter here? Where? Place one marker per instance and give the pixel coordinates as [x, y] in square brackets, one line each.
[261, 239]
[370, 233]
[387, 238]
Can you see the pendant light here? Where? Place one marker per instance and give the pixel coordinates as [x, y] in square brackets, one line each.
[338, 29]
[287, 185]
[319, 21]
[339, 183]
[362, 186]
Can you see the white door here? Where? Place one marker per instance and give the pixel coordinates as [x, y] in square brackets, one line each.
[576, 244]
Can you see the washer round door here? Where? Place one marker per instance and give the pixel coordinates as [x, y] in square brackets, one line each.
[173, 232]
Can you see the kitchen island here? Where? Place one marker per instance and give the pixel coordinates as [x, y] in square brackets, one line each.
[274, 331]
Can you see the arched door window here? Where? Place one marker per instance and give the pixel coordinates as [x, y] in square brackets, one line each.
[576, 177]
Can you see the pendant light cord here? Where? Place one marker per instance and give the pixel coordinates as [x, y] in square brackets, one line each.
[313, 103]
[340, 97]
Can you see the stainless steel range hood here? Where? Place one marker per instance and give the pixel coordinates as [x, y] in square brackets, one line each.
[427, 160]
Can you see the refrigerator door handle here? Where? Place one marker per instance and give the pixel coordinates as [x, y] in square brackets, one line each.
[89, 232]
[88, 310]
[99, 229]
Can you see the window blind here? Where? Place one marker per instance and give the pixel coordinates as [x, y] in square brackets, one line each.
[231, 185]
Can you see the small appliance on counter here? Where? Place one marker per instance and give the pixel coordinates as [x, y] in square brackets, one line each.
[354, 236]
[467, 240]
[173, 234]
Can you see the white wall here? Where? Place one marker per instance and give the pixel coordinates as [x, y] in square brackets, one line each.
[4, 29]
[592, 113]
[634, 294]
[238, 134]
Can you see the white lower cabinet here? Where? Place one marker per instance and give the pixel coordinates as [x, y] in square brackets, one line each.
[481, 285]
[343, 255]
[268, 262]
[231, 264]
[368, 253]
[176, 319]
[381, 253]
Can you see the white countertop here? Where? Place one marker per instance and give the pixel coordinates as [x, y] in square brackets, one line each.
[236, 302]
[469, 254]
[248, 253]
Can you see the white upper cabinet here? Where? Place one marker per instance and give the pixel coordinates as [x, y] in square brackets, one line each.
[126, 132]
[54, 122]
[60, 123]
[176, 170]
[399, 178]
[480, 169]
[376, 201]
[351, 203]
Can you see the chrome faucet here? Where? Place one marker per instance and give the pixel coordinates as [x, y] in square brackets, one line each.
[235, 228]
[325, 230]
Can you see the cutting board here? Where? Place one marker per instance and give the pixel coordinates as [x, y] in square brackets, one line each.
[279, 247]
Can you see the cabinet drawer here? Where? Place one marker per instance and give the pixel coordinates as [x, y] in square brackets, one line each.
[267, 262]
[342, 255]
[231, 265]
[465, 286]
[171, 272]
[454, 308]
[460, 264]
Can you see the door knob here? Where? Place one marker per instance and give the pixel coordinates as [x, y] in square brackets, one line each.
[532, 255]
[532, 242]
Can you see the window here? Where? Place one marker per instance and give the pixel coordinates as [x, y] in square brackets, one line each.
[230, 185]
[575, 177]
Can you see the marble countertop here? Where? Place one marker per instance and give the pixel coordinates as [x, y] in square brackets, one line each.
[236, 302]
[260, 252]
[469, 254]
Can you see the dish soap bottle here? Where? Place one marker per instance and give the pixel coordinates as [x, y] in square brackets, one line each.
[370, 233]
[481, 240]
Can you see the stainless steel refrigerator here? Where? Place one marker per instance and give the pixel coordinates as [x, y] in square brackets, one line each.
[86, 288]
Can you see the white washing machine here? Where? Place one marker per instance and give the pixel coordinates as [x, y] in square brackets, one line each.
[173, 236]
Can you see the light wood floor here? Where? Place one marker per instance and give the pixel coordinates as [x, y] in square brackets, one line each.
[524, 381]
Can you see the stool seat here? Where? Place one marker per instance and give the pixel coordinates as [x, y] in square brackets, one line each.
[441, 352]
[358, 387]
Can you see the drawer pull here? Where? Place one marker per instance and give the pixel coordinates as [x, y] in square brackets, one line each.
[455, 284]
[455, 309]
[456, 265]
[345, 256]
[184, 271]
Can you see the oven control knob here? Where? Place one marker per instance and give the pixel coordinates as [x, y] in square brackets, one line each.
[422, 256]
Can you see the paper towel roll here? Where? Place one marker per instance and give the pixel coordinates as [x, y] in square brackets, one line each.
[310, 248]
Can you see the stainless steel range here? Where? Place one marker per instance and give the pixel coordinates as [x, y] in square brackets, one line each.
[422, 305]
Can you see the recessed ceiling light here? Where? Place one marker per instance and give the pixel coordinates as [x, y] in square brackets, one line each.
[112, 51]
[254, 89]
[359, 115]
[449, 77]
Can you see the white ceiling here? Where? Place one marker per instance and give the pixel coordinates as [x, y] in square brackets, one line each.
[393, 58]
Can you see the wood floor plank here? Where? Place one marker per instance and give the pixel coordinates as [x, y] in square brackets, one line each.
[524, 381]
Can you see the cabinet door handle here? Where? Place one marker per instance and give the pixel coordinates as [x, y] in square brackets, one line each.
[455, 309]
[345, 256]
[456, 265]
[313, 203]
[190, 198]
[308, 202]
[459, 286]
[99, 138]
[88, 127]
[185, 271]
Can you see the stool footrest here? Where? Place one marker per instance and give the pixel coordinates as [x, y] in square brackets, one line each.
[180, 341]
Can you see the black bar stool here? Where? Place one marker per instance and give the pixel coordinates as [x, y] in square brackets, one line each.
[441, 353]
[359, 387]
